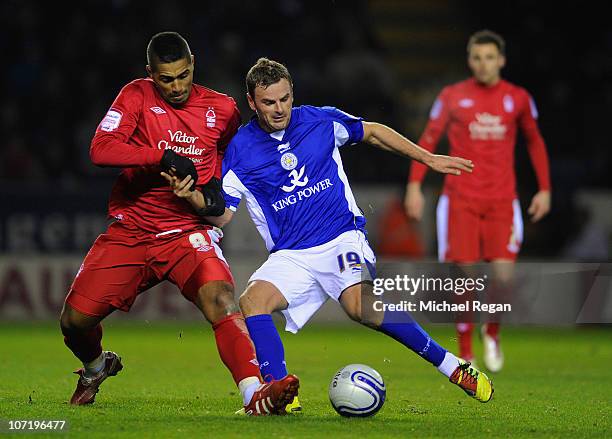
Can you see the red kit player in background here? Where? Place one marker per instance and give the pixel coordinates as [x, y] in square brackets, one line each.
[159, 127]
[478, 215]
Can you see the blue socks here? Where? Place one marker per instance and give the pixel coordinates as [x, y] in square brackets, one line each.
[397, 325]
[401, 327]
[268, 346]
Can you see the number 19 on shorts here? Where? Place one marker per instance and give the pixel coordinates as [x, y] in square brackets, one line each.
[348, 260]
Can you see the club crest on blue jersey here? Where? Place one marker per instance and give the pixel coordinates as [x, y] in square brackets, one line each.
[289, 161]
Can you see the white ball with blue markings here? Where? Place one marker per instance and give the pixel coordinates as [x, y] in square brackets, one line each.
[357, 390]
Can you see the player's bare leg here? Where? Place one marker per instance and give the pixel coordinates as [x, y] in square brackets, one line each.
[261, 297]
[216, 301]
[357, 300]
[83, 335]
[257, 303]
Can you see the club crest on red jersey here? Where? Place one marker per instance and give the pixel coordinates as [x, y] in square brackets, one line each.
[211, 117]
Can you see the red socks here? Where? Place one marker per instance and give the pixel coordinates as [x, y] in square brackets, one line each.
[236, 348]
[464, 334]
[85, 344]
[233, 342]
[493, 330]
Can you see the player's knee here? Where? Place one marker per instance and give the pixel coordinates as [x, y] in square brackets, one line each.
[254, 304]
[64, 321]
[224, 300]
[72, 321]
[261, 297]
[217, 298]
[248, 304]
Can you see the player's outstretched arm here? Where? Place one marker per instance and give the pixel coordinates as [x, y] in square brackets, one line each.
[209, 202]
[383, 137]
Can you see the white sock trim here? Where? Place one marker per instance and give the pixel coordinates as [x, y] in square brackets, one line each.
[94, 367]
[247, 388]
[449, 364]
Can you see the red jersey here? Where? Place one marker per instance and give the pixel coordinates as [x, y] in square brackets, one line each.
[137, 129]
[482, 124]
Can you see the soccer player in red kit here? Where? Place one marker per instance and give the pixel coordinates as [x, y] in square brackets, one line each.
[478, 215]
[162, 126]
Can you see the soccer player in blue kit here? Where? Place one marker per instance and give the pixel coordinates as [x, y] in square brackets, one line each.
[286, 163]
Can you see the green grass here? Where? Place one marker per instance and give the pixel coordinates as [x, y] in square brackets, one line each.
[557, 382]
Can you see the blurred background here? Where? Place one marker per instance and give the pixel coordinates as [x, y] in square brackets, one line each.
[384, 60]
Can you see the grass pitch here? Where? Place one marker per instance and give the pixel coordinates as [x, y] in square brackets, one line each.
[557, 382]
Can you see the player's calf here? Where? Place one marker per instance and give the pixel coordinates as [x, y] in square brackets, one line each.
[82, 334]
[358, 303]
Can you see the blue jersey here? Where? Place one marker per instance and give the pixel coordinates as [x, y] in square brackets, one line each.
[296, 190]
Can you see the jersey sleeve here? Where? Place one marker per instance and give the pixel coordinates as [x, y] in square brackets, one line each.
[348, 129]
[438, 119]
[231, 129]
[233, 189]
[536, 147]
[109, 145]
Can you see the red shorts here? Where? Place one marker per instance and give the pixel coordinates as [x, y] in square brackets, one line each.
[125, 261]
[472, 230]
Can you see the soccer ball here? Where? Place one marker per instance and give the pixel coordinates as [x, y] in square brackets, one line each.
[357, 390]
